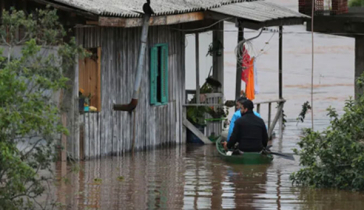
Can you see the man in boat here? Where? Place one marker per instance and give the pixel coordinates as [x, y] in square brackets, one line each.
[237, 115]
[249, 131]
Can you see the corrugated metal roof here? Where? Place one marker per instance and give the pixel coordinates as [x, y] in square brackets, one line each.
[124, 8]
[259, 11]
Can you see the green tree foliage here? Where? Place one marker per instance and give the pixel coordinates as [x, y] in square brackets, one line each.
[33, 61]
[334, 158]
[356, 3]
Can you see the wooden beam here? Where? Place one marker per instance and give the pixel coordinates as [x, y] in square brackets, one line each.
[198, 26]
[218, 60]
[285, 22]
[272, 101]
[239, 66]
[269, 114]
[338, 25]
[154, 21]
[92, 23]
[280, 62]
[195, 131]
[275, 120]
[183, 18]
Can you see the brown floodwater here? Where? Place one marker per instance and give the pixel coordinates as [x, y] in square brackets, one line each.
[194, 177]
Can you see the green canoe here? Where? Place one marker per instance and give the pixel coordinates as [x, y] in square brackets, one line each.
[248, 158]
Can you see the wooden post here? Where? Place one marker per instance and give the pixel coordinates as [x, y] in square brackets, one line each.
[280, 79]
[280, 61]
[197, 69]
[269, 114]
[281, 124]
[275, 120]
[218, 60]
[239, 66]
[359, 62]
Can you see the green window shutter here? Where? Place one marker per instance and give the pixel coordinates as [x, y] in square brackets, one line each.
[164, 77]
[153, 74]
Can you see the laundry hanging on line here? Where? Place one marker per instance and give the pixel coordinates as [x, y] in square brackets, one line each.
[249, 85]
[256, 87]
[245, 65]
[249, 75]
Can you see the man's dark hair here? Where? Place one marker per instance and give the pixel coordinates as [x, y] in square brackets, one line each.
[248, 104]
[241, 99]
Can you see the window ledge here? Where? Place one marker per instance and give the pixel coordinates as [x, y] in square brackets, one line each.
[159, 104]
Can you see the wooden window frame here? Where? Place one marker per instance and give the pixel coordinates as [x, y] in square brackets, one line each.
[155, 56]
[98, 76]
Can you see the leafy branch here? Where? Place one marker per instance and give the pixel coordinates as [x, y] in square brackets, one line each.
[305, 107]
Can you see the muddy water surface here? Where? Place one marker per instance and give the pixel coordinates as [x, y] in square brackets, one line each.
[193, 177]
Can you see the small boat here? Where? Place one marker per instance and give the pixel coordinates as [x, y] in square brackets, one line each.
[248, 158]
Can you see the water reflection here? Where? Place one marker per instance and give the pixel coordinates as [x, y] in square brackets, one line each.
[192, 177]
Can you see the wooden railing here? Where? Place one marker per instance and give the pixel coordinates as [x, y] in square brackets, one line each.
[208, 99]
[278, 116]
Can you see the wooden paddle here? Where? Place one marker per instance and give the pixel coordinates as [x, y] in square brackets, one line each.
[285, 156]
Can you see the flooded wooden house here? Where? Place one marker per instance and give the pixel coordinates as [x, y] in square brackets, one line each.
[111, 31]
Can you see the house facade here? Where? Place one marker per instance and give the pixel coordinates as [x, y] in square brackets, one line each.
[157, 119]
[111, 32]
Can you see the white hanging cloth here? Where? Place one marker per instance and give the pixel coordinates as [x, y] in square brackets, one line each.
[256, 87]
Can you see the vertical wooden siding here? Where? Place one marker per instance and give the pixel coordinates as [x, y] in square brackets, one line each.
[110, 132]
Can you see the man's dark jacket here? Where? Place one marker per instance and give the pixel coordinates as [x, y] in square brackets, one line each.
[250, 132]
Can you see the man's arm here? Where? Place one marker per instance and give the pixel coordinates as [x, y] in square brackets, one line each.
[264, 135]
[231, 127]
[235, 135]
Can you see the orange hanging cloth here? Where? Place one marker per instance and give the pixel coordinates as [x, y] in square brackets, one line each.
[249, 88]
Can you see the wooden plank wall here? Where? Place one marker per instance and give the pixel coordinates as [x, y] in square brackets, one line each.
[109, 132]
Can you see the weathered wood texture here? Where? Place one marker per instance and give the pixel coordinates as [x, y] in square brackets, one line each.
[214, 126]
[109, 132]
